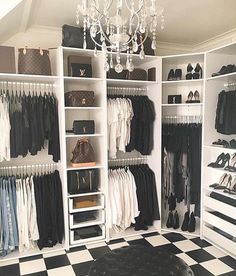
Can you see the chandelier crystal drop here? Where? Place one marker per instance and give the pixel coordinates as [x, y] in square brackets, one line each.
[118, 26]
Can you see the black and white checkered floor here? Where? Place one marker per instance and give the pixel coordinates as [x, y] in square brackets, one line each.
[204, 259]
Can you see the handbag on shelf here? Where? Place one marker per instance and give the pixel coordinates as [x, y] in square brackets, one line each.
[83, 127]
[34, 61]
[147, 46]
[174, 99]
[152, 74]
[87, 232]
[79, 66]
[74, 37]
[7, 57]
[112, 74]
[79, 98]
[84, 217]
[83, 154]
[82, 181]
[138, 74]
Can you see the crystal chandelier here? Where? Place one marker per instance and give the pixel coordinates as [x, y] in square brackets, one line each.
[120, 26]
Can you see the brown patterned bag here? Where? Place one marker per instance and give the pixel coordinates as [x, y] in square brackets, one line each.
[34, 61]
[79, 98]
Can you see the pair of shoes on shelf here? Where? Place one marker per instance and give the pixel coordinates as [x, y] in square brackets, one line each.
[193, 97]
[230, 68]
[225, 144]
[221, 161]
[226, 183]
[197, 74]
[175, 75]
[189, 222]
[232, 166]
[173, 220]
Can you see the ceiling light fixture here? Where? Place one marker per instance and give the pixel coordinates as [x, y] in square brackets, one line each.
[120, 26]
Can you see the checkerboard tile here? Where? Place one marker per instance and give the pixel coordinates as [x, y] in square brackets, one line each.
[202, 257]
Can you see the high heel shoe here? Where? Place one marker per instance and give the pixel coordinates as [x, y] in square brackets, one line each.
[170, 220]
[226, 183]
[176, 220]
[221, 161]
[192, 223]
[171, 75]
[231, 167]
[184, 226]
[189, 74]
[197, 72]
[231, 187]
[178, 74]
[221, 180]
[196, 96]
[190, 97]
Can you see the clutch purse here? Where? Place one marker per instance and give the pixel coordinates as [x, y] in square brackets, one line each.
[174, 99]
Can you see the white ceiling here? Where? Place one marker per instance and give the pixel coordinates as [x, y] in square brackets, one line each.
[186, 21]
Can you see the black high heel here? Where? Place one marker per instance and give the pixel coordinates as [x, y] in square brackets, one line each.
[196, 96]
[189, 74]
[197, 72]
[192, 223]
[171, 75]
[190, 97]
[221, 161]
[170, 220]
[176, 220]
[178, 74]
[221, 180]
[225, 184]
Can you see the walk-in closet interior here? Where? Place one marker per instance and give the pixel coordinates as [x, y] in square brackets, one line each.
[109, 147]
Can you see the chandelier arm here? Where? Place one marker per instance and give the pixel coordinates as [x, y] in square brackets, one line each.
[136, 29]
[138, 11]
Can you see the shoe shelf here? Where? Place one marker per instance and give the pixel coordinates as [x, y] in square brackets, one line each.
[183, 104]
[218, 148]
[221, 170]
[182, 82]
[185, 233]
[227, 77]
[209, 190]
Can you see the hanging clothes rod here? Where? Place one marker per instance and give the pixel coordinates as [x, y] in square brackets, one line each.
[126, 90]
[182, 119]
[230, 84]
[29, 166]
[34, 85]
[126, 161]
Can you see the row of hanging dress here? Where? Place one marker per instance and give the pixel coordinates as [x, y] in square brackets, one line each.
[31, 212]
[28, 122]
[181, 164]
[132, 197]
[130, 124]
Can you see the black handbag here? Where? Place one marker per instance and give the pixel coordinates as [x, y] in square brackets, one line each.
[147, 46]
[81, 70]
[87, 232]
[138, 74]
[174, 99]
[112, 74]
[74, 37]
[82, 181]
[83, 127]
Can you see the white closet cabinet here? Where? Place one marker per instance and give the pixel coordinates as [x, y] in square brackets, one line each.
[158, 92]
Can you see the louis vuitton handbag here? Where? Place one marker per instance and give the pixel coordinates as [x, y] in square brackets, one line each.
[79, 98]
[83, 154]
[79, 66]
[34, 61]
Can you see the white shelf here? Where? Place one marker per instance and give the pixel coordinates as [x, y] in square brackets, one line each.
[186, 233]
[88, 241]
[87, 224]
[28, 78]
[79, 210]
[231, 76]
[82, 80]
[70, 168]
[83, 135]
[181, 82]
[85, 194]
[183, 105]
[130, 83]
[208, 189]
[221, 170]
[83, 108]
[217, 148]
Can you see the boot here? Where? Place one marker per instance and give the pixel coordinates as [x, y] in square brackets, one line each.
[170, 220]
[184, 226]
[176, 220]
[192, 223]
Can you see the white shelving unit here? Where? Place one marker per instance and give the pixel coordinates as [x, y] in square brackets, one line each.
[181, 87]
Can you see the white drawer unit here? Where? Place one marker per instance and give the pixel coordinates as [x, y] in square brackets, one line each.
[220, 223]
[75, 239]
[219, 240]
[219, 206]
[94, 218]
[97, 203]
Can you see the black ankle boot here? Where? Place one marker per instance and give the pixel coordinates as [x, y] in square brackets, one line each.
[176, 220]
[192, 223]
[197, 72]
[184, 226]
[170, 220]
[171, 75]
[178, 74]
[189, 74]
